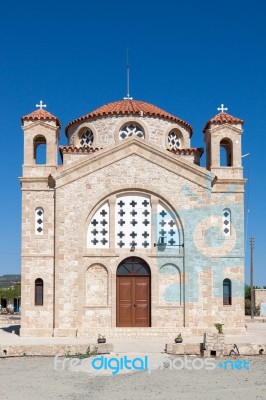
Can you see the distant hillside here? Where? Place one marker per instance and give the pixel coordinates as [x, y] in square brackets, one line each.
[9, 280]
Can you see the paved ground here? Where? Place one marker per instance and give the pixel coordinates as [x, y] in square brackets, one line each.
[256, 333]
[32, 378]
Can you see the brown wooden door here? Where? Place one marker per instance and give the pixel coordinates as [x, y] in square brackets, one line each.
[133, 301]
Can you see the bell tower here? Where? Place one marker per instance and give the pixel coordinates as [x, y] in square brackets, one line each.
[41, 129]
[223, 145]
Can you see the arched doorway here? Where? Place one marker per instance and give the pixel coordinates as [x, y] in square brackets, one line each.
[133, 299]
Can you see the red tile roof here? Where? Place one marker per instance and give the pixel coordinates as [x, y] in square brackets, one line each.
[130, 107]
[223, 118]
[40, 114]
[80, 150]
[189, 151]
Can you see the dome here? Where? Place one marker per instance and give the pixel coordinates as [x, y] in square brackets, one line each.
[130, 107]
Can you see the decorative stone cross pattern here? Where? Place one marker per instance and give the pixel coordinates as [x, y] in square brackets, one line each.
[99, 235]
[135, 222]
[222, 108]
[41, 105]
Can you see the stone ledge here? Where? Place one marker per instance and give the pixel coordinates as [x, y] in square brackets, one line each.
[182, 349]
[52, 350]
[245, 349]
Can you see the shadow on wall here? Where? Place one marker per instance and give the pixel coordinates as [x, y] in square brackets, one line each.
[11, 329]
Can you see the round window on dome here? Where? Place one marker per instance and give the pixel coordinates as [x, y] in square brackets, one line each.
[131, 130]
[174, 140]
[86, 139]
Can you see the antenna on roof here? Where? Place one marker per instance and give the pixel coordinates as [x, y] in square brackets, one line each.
[128, 80]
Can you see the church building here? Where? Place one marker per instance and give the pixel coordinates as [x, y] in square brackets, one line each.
[130, 236]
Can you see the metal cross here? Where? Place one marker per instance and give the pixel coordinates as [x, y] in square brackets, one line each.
[222, 108]
[41, 105]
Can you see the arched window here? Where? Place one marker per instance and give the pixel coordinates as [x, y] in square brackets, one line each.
[226, 222]
[98, 232]
[86, 139]
[133, 220]
[226, 153]
[167, 230]
[174, 140]
[227, 292]
[129, 130]
[39, 214]
[38, 292]
[133, 266]
[39, 149]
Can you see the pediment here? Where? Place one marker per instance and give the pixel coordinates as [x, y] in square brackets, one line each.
[226, 128]
[132, 147]
[37, 124]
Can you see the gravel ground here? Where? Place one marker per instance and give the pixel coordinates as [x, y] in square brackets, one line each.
[34, 377]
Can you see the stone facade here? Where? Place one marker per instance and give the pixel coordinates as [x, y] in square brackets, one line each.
[259, 296]
[79, 281]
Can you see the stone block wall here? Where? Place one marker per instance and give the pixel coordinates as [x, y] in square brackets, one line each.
[260, 296]
[106, 130]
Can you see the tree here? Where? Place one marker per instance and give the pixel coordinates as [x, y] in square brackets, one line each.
[10, 292]
[247, 292]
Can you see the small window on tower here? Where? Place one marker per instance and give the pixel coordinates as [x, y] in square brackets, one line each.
[39, 148]
[39, 214]
[226, 222]
[226, 153]
[227, 292]
[174, 141]
[38, 292]
[86, 139]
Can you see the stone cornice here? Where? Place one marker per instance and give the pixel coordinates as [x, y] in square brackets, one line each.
[236, 181]
[232, 185]
[35, 184]
[38, 255]
[33, 179]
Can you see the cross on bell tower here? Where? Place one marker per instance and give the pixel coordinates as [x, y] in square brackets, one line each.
[41, 105]
[222, 108]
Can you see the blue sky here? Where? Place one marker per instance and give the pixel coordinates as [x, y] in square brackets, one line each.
[185, 57]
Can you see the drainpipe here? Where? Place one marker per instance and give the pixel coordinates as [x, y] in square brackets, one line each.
[184, 281]
[54, 262]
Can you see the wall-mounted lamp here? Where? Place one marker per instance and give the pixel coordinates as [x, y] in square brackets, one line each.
[163, 243]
